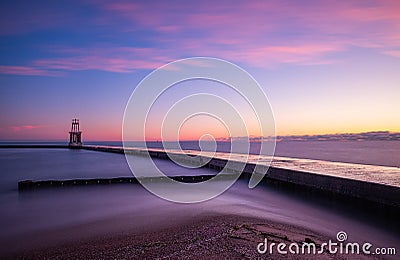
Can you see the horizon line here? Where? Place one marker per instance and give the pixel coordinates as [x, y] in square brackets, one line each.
[368, 135]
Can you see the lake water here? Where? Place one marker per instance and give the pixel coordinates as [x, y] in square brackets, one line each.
[384, 153]
[28, 214]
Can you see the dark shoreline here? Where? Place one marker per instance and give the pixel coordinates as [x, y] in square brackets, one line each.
[202, 235]
[207, 236]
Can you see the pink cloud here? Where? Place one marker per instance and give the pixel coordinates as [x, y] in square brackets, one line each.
[128, 59]
[121, 59]
[270, 56]
[25, 127]
[258, 33]
[254, 25]
[24, 70]
[112, 59]
[395, 53]
[96, 63]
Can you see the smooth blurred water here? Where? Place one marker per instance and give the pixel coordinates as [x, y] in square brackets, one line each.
[64, 164]
[384, 153]
[28, 214]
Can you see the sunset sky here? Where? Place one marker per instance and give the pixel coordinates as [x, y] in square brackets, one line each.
[326, 66]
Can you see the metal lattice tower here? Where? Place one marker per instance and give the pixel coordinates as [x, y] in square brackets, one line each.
[75, 135]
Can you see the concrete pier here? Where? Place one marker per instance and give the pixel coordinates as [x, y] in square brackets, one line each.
[378, 184]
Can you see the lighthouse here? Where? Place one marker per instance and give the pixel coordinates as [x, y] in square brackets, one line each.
[75, 139]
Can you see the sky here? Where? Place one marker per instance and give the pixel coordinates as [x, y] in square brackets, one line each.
[326, 66]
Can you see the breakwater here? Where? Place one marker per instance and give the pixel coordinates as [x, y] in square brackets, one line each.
[29, 184]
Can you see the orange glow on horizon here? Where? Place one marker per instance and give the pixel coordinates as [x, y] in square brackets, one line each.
[193, 129]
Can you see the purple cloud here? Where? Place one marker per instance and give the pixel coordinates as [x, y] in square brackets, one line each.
[259, 34]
